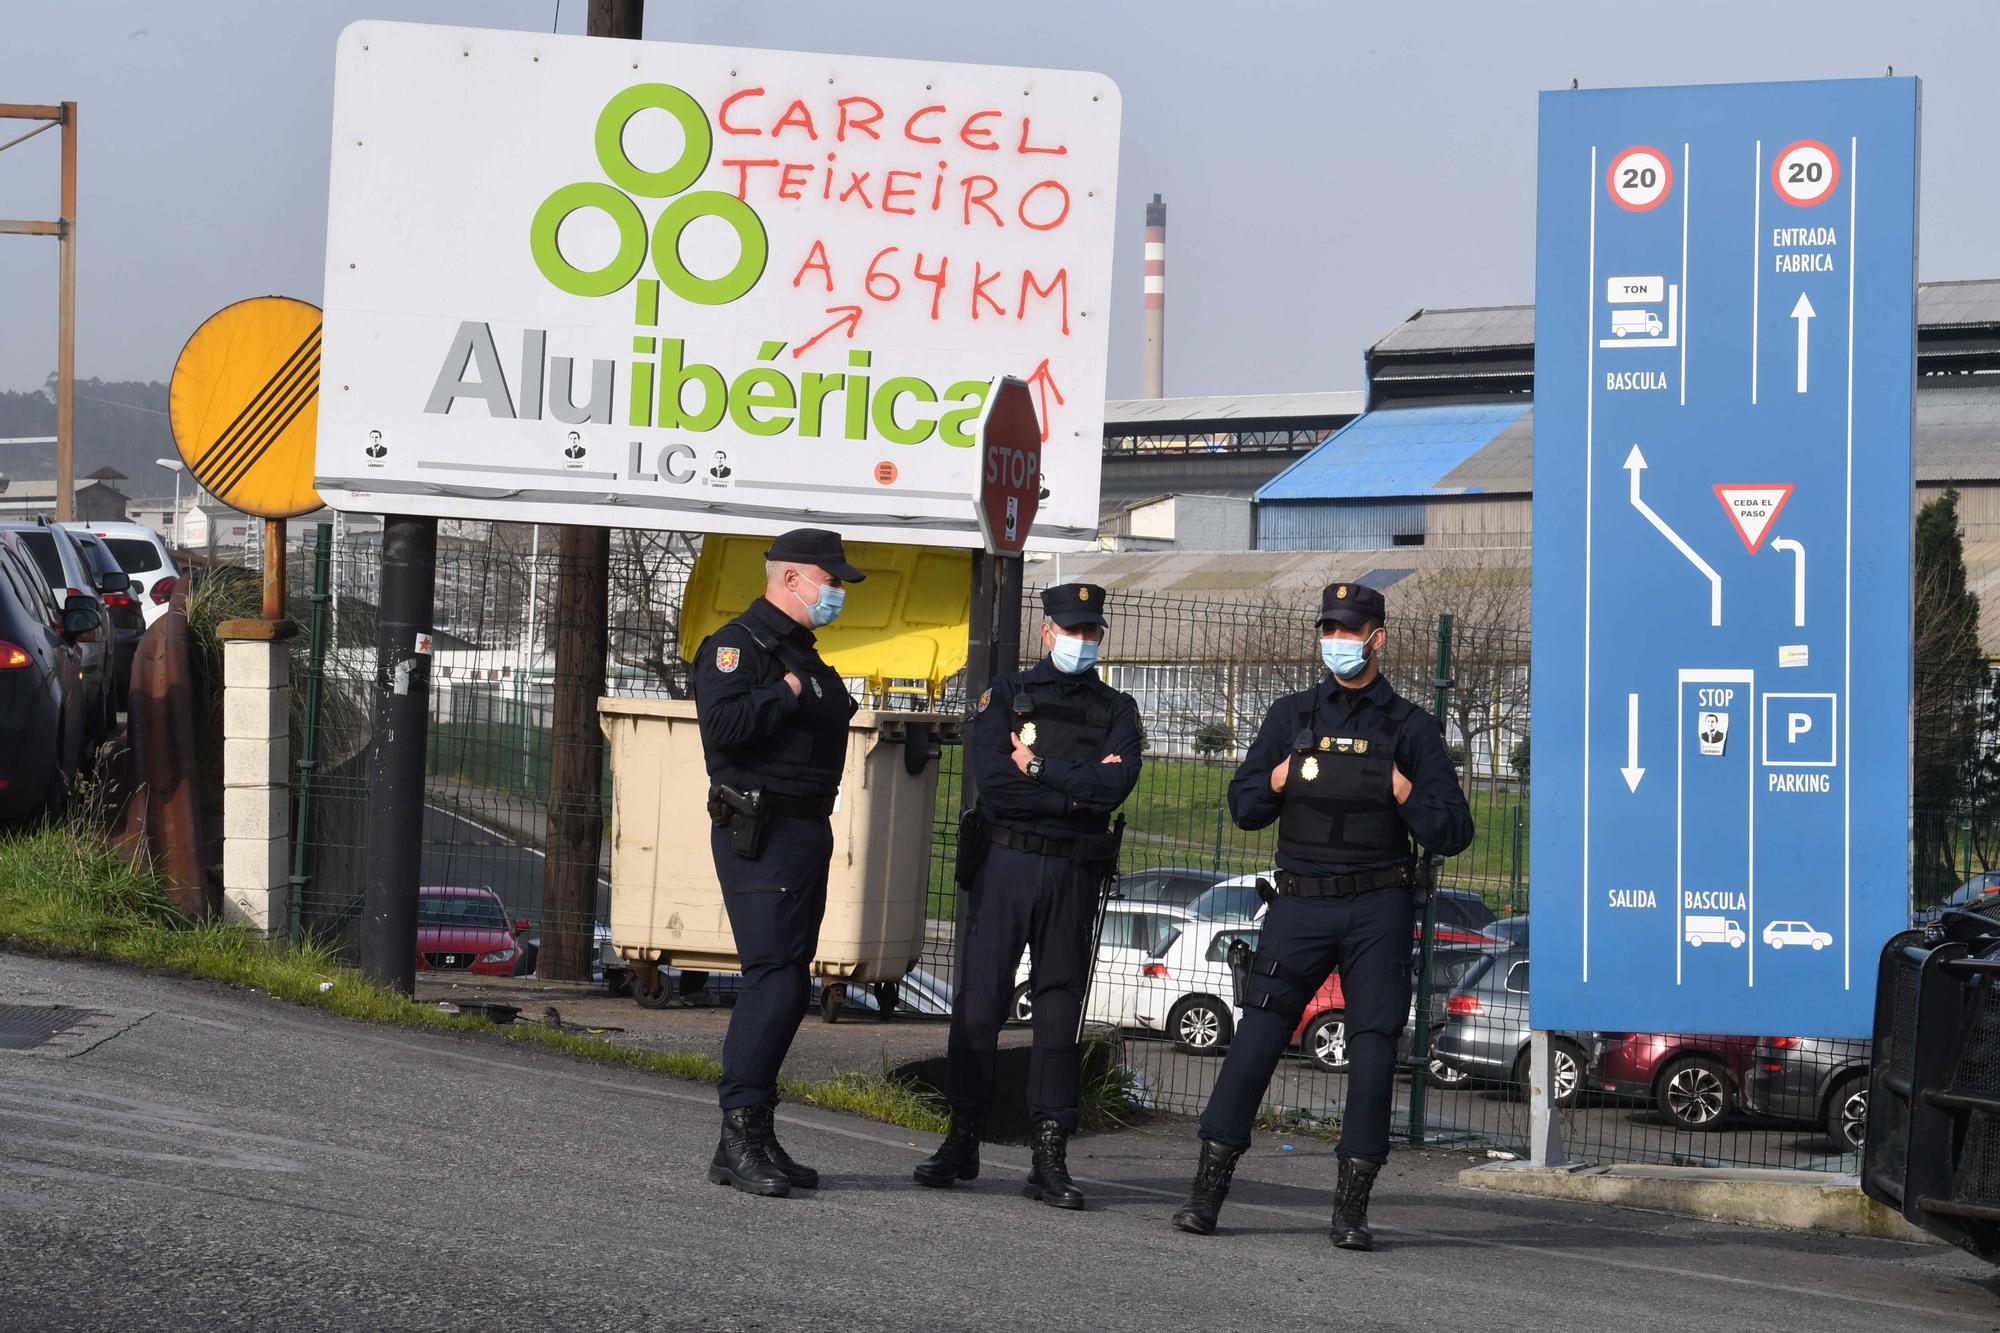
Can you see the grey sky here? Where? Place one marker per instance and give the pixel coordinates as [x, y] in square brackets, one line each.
[1328, 167]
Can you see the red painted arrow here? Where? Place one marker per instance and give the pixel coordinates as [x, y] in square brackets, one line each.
[1045, 384]
[850, 315]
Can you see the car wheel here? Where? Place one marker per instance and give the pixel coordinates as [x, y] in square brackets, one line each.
[655, 996]
[1566, 1065]
[1022, 1008]
[1200, 1026]
[1444, 1075]
[1696, 1093]
[1326, 1040]
[1847, 1113]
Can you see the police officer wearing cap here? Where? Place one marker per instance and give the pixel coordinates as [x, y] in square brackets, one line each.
[1054, 751]
[1351, 772]
[773, 721]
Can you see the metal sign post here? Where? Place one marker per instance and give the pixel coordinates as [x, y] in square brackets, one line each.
[1724, 371]
[63, 228]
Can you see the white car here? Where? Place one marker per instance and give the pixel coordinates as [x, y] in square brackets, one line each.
[142, 553]
[1186, 989]
[1780, 933]
[1132, 930]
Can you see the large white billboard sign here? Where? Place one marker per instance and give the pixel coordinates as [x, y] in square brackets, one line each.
[640, 284]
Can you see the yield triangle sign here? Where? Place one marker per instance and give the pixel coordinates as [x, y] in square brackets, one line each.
[1752, 509]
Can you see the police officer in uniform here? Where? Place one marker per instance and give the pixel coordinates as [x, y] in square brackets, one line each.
[1352, 772]
[1054, 751]
[773, 721]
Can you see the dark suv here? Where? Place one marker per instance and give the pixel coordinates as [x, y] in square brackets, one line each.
[128, 619]
[1821, 1079]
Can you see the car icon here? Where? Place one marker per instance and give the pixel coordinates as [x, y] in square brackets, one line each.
[1780, 933]
[1713, 930]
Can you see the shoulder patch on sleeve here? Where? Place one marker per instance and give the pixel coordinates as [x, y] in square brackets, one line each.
[985, 698]
[727, 659]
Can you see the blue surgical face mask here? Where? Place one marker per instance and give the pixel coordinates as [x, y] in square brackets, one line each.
[1073, 653]
[824, 607]
[1345, 658]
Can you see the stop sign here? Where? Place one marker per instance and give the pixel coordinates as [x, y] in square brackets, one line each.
[1010, 477]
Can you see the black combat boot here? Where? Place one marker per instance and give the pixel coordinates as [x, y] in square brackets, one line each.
[1211, 1186]
[741, 1159]
[1350, 1205]
[1049, 1179]
[804, 1177]
[957, 1158]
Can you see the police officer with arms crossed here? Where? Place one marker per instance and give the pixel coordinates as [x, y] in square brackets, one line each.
[1054, 751]
[774, 733]
[1352, 772]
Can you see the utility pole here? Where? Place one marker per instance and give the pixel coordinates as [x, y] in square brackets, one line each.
[63, 228]
[576, 759]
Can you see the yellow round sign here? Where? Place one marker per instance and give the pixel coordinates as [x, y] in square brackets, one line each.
[245, 405]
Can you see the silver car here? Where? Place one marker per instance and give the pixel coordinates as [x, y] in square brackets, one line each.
[1486, 1030]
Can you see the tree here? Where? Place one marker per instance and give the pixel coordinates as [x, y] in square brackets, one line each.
[1486, 708]
[1949, 768]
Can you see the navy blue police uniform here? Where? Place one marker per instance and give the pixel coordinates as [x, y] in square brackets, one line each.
[759, 737]
[1346, 871]
[1039, 886]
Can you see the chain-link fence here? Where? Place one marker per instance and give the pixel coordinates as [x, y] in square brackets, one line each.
[1203, 672]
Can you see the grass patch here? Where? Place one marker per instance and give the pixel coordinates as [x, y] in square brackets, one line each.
[66, 893]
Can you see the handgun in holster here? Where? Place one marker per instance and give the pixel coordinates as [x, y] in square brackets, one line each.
[743, 814]
[973, 843]
[1238, 957]
[1423, 878]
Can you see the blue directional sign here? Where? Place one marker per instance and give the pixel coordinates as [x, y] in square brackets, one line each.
[1724, 362]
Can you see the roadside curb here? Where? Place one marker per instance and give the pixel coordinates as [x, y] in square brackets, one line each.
[1766, 1198]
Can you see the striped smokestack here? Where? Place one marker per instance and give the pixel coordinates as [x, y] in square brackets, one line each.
[1156, 298]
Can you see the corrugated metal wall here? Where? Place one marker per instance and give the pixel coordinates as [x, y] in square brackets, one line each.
[1327, 525]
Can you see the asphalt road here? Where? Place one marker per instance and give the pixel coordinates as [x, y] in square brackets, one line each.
[214, 1159]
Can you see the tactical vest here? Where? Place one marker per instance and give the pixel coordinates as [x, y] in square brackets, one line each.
[1340, 804]
[1057, 724]
[813, 749]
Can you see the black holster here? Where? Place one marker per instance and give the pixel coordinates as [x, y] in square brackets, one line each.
[1099, 851]
[743, 814]
[1423, 878]
[1239, 956]
[973, 843]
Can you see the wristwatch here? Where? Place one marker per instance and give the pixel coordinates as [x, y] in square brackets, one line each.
[1034, 769]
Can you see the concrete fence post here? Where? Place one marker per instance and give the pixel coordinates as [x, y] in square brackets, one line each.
[1545, 1131]
[256, 775]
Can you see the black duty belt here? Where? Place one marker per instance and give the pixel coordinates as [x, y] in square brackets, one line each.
[1341, 886]
[1031, 842]
[799, 807]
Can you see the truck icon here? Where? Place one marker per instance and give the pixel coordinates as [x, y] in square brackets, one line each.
[1636, 321]
[1713, 930]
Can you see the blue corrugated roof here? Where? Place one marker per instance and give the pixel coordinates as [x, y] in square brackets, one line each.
[1394, 451]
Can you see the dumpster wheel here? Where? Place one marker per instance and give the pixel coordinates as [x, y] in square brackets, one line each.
[832, 1000]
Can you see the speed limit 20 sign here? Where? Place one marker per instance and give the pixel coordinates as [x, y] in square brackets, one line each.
[1640, 179]
[1805, 172]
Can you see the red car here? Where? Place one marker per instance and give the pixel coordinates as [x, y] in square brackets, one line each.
[466, 930]
[1695, 1081]
[1321, 1035]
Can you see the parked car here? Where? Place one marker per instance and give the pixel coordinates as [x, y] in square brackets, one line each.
[142, 553]
[1511, 931]
[1696, 1082]
[68, 576]
[1821, 1079]
[1234, 899]
[1165, 886]
[1486, 1030]
[42, 700]
[1186, 989]
[465, 930]
[1321, 1034]
[1132, 930]
[128, 621]
[1463, 918]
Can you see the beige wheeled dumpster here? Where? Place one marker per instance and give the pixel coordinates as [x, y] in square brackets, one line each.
[666, 907]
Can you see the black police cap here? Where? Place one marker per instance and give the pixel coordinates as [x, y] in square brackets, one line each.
[817, 547]
[1074, 604]
[1355, 605]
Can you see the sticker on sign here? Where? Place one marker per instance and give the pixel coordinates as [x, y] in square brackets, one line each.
[657, 285]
